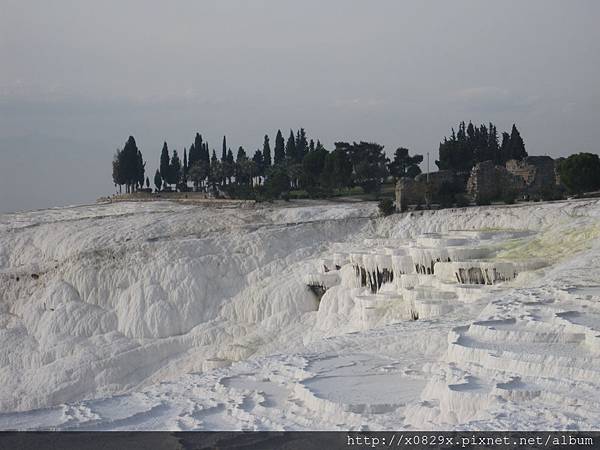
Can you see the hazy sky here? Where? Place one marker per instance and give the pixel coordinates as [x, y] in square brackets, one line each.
[78, 77]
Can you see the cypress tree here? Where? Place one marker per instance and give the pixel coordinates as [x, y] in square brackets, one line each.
[215, 172]
[175, 169]
[224, 151]
[157, 181]
[290, 148]
[206, 154]
[129, 164]
[198, 144]
[259, 163]
[240, 162]
[517, 146]
[266, 156]
[117, 170]
[185, 164]
[301, 145]
[505, 151]
[140, 169]
[279, 152]
[165, 164]
[493, 143]
[147, 183]
[241, 154]
[192, 156]
[229, 166]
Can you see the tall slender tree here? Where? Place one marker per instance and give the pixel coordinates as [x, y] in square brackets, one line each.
[229, 166]
[290, 149]
[199, 145]
[301, 145]
[117, 171]
[140, 170]
[216, 172]
[131, 165]
[279, 151]
[185, 164]
[165, 166]
[266, 156]
[259, 164]
[517, 146]
[175, 169]
[157, 181]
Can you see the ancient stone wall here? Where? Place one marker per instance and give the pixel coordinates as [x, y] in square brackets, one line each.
[420, 191]
[489, 182]
[533, 177]
[538, 173]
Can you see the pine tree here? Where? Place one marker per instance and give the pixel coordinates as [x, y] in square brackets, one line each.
[404, 165]
[266, 156]
[165, 164]
[279, 151]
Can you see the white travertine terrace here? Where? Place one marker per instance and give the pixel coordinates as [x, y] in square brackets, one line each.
[166, 316]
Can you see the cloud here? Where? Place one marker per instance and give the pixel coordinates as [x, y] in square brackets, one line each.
[493, 99]
[360, 103]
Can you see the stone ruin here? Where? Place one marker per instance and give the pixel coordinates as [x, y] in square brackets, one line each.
[489, 181]
[421, 189]
[534, 177]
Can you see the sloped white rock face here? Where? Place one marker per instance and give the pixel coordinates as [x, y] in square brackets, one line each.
[101, 299]
[159, 316]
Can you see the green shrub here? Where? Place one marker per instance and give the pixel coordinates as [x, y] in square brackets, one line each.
[509, 197]
[483, 201]
[386, 207]
[445, 194]
[580, 173]
[356, 190]
[299, 193]
[462, 200]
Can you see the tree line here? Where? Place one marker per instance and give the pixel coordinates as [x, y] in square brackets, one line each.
[474, 144]
[293, 164]
[299, 164]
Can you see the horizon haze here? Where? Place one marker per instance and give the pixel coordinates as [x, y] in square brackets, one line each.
[79, 77]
